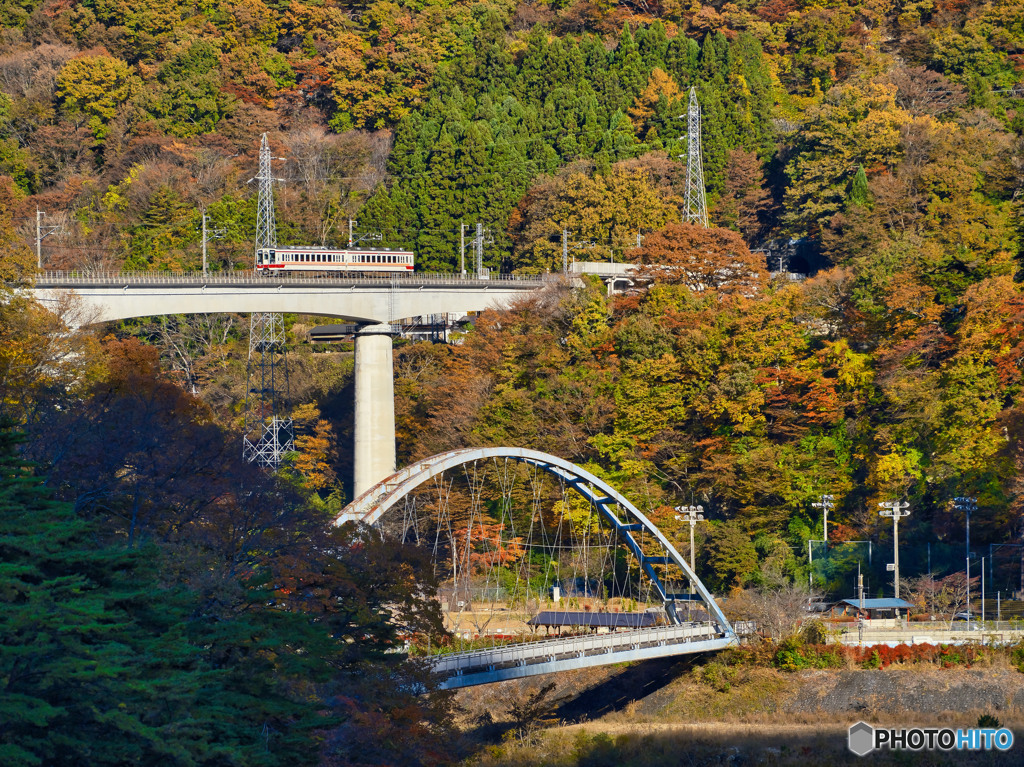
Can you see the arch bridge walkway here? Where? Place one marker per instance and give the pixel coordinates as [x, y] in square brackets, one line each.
[547, 656]
[615, 522]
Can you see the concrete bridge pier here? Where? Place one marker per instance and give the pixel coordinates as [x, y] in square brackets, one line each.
[375, 407]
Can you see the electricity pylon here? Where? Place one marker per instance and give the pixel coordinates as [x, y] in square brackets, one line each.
[695, 210]
[268, 436]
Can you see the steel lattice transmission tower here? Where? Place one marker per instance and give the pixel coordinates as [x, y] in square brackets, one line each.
[268, 436]
[696, 207]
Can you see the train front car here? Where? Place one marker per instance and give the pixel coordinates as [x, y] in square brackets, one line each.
[326, 261]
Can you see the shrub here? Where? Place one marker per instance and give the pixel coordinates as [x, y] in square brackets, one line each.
[1017, 656]
[794, 655]
[716, 675]
[987, 721]
[815, 632]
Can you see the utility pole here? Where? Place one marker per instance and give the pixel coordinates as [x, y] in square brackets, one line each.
[826, 504]
[479, 250]
[968, 593]
[860, 615]
[354, 239]
[210, 234]
[695, 206]
[268, 436]
[983, 589]
[565, 251]
[895, 509]
[462, 248]
[810, 568]
[42, 232]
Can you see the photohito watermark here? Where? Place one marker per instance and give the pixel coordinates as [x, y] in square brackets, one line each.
[863, 739]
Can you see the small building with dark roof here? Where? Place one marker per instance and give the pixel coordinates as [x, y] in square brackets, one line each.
[591, 620]
[873, 608]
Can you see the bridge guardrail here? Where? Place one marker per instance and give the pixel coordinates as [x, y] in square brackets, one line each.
[546, 648]
[43, 279]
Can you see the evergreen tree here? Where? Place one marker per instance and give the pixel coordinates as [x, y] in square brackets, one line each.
[653, 46]
[532, 69]
[682, 60]
[859, 188]
[632, 75]
[97, 665]
[439, 208]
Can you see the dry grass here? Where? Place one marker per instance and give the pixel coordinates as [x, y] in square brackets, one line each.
[697, 745]
[765, 716]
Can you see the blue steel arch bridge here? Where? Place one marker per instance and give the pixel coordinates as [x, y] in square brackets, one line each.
[524, 543]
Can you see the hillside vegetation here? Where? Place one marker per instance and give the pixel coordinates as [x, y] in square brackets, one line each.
[875, 147]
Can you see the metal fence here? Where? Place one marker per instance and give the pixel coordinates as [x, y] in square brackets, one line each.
[834, 567]
[548, 649]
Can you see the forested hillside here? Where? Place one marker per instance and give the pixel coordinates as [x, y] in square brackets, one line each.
[122, 122]
[874, 147]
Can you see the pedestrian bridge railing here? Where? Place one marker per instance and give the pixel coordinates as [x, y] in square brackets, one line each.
[550, 655]
[247, 278]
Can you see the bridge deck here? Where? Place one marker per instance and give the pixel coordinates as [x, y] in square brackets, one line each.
[551, 655]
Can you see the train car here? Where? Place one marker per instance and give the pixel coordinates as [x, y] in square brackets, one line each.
[307, 258]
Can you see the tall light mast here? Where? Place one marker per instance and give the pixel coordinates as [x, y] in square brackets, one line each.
[695, 209]
[268, 436]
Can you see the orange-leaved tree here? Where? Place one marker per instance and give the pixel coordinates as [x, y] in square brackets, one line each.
[702, 259]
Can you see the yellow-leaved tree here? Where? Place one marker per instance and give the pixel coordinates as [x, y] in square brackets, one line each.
[92, 88]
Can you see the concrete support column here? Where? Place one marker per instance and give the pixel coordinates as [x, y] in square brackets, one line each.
[375, 407]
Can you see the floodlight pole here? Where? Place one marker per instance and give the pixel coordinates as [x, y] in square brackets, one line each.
[826, 505]
[966, 504]
[895, 509]
[693, 515]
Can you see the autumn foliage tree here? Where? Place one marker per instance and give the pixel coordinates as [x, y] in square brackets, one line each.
[702, 259]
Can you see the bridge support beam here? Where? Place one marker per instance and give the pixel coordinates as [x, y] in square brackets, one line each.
[375, 407]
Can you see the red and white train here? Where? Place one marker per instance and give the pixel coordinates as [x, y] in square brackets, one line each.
[307, 258]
